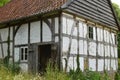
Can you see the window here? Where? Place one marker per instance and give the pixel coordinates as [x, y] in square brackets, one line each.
[24, 54]
[90, 32]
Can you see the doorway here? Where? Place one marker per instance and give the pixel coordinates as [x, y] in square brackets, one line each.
[44, 54]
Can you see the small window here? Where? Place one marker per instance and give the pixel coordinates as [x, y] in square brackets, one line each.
[24, 54]
[90, 32]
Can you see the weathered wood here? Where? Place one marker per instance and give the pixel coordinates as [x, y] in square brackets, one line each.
[1, 46]
[60, 41]
[96, 48]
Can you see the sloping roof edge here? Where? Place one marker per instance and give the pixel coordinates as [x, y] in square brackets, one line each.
[114, 14]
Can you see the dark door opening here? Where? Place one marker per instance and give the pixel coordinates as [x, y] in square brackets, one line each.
[44, 54]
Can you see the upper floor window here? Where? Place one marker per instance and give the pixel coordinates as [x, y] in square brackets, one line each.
[24, 54]
[90, 32]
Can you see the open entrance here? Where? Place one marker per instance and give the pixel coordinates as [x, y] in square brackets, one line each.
[44, 54]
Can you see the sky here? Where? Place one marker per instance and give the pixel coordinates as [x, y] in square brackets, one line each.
[116, 1]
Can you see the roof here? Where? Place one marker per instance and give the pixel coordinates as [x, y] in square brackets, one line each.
[22, 8]
[99, 11]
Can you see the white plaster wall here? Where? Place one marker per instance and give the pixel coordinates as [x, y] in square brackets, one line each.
[35, 32]
[100, 64]
[113, 65]
[85, 47]
[106, 64]
[70, 64]
[92, 64]
[24, 67]
[94, 33]
[100, 34]
[56, 25]
[4, 34]
[105, 36]
[47, 34]
[92, 48]
[81, 33]
[65, 44]
[100, 49]
[85, 30]
[16, 54]
[74, 46]
[112, 51]
[107, 50]
[5, 48]
[113, 38]
[64, 21]
[22, 35]
[70, 23]
[81, 63]
[81, 47]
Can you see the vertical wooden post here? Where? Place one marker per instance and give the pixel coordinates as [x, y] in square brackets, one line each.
[13, 53]
[2, 46]
[60, 41]
[96, 48]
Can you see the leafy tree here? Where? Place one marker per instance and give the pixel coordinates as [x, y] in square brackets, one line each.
[117, 10]
[3, 2]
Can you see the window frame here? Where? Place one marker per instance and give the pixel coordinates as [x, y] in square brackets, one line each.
[90, 32]
[23, 54]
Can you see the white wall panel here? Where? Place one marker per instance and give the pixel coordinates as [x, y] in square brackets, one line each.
[35, 32]
[24, 67]
[74, 46]
[16, 54]
[92, 48]
[82, 63]
[112, 51]
[70, 64]
[57, 25]
[22, 35]
[85, 47]
[4, 34]
[81, 47]
[94, 33]
[70, 23]
[113, 65]
[105, 36]
[5, 48]
[65, 44]
[100, 49]
[47, 34]
[106, 64]
[92, 64]
[109, 64]
[81, 33]
[64, 24]
[85, 30]
[100, 64]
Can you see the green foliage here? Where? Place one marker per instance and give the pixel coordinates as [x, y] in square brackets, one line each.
[3, 2]
[117, 10]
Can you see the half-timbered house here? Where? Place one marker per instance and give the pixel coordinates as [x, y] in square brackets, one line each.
[33, 31]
